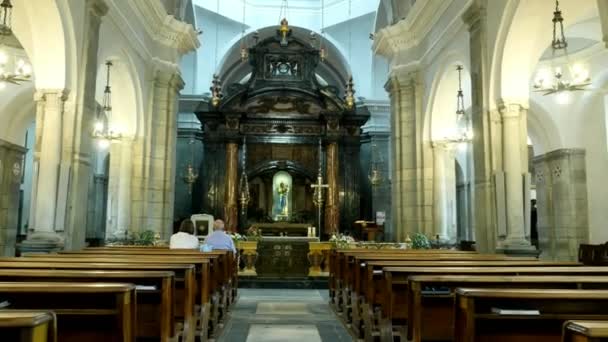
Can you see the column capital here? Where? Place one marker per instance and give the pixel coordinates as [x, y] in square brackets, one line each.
[167, 73]
[98, 8]
[510, 110]
[473, 15]
[444, 145]
[403, 78]
[47, 93]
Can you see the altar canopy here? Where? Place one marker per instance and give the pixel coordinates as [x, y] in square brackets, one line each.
[284, 101]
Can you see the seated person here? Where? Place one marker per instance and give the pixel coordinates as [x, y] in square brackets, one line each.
[219, 239]
[184, 239]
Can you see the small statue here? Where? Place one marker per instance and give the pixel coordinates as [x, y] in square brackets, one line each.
[283, 190]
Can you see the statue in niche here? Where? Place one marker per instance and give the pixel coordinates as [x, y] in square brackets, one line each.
[283, 190]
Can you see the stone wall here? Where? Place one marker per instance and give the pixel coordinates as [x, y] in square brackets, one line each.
[11, 165]
[561, 192]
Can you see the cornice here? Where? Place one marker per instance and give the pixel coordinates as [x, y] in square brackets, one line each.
[409, 32]
[164, 28]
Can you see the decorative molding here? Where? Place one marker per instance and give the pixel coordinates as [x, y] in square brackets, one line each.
[164, 28]
[409, 32]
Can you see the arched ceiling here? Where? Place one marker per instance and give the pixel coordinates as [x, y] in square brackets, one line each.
[302, 13]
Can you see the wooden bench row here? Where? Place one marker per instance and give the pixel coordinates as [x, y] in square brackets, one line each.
[374, 292]
[177, 294]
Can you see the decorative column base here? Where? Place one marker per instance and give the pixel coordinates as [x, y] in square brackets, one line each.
[517, 247]
[318, 252]
[42, 243]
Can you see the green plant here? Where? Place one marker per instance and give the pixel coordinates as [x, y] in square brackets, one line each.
[420, 241]
[131, 238]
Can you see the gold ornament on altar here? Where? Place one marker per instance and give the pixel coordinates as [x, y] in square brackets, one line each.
[284, 31]
[349, 94]
[216, 91]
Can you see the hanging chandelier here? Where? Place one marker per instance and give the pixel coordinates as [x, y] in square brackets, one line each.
[6, 13]
[190, 176]
[322, 48]
[216, 91]
[375, 173]
[244, 196]
[349, 94]
[462, 132]
[284, 30]
[102, 130]
[13, 70]
[566, 78]
[244, 48]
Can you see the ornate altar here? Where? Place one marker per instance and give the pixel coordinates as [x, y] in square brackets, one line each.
[283, 106]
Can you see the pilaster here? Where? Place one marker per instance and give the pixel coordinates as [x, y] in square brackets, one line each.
[444, 195]
[412, 202]
[562, 208]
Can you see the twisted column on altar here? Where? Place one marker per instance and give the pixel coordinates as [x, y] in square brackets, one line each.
[332, 209]
[231, 214]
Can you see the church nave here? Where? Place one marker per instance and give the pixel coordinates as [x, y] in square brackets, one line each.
[271, 315]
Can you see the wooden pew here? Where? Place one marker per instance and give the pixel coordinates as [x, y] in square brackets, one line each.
[185, 282]
[207, 311]
[349, 286]
[393, 299]
[213, 298]
[90, 312]
[368, 278]
[431, 298]
[336, 268]
[477, 321]
[345, 262]
[28, 326]
[585, 331]
[155, 303]
[223, 260]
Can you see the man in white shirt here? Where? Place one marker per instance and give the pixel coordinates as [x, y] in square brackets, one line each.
[219, 239]
[184, 239]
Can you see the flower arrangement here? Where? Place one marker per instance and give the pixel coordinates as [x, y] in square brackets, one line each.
[236, 237]
[132, 238]
[254, 234]
[341, 241]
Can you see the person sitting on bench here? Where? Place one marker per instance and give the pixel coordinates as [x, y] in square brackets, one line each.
[219, 239]
[184, 239]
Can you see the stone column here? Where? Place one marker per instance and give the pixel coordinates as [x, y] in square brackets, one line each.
[230, 195]
[484, 162]
[50, 110]
[444, 196]
[11, 169]
[561, 192]
[602, 6]
[412, 200]
[515, 167]
[332, 209]
[159, 157]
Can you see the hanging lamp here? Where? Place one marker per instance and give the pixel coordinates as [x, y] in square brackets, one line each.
[244, 196]
[566, 78]
[102, 131]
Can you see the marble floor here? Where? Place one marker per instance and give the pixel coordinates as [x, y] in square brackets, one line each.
[273, 315]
